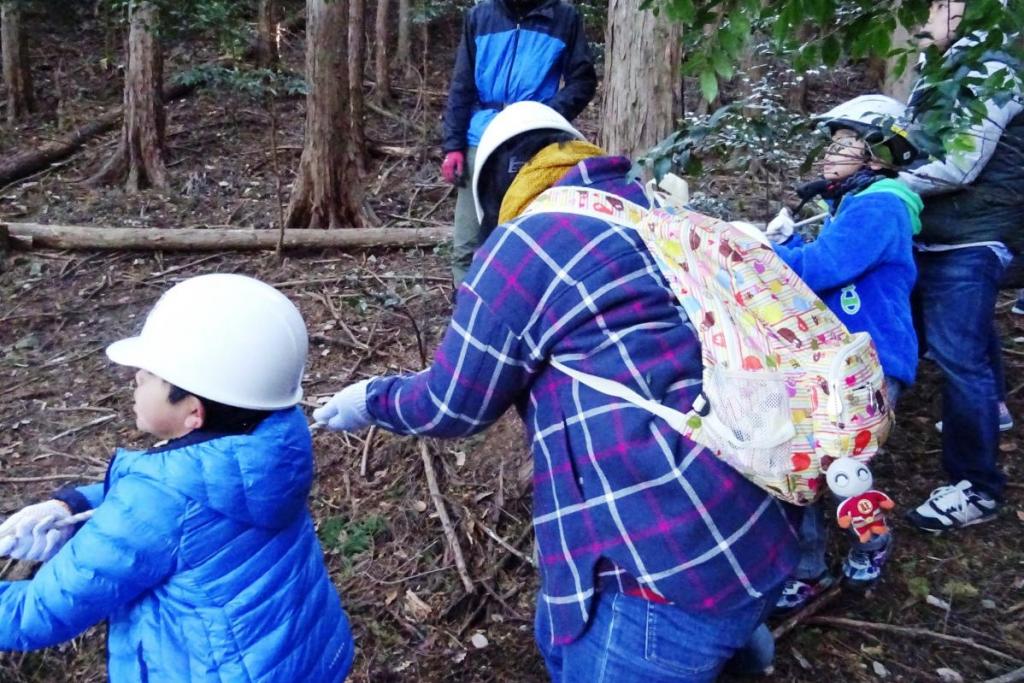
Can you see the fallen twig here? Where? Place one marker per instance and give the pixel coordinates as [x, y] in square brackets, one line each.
[366, 450]
[87, 425]
[807, 611]
[856, 625]
[48, 477]
[184, 266]
[442, 513]
[84, 459]
[397, 117]
[433, 208]
[499, 540]
[1009, 677]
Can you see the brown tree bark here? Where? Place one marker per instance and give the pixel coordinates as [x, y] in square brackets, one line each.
[17, 75]
[266, 37]
[326, 192]
[403, 50]
[899, 86]
[139, 159]
[642, 93]
[38, 235]
[356, 66]
[381, 61]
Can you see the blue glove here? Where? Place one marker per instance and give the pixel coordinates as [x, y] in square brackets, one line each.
[346, 411]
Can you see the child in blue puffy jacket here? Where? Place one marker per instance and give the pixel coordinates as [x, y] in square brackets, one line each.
[200, 552]
[862, 266]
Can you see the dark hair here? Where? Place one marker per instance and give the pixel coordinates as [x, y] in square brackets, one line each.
[504, 163]
[220, 417]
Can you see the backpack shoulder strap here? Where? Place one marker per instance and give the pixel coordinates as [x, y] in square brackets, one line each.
[586, 201]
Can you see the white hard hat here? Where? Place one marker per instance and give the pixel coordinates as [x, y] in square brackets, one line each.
[511, 121]
[227, 338]
[878, 119]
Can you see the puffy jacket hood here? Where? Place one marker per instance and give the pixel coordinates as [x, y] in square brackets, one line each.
[906, 195]
[262, 478]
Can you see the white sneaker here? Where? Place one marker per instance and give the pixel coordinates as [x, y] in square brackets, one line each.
[953, 507]
[1005, 419]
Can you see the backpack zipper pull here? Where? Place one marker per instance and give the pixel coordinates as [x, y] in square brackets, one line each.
[835, 402]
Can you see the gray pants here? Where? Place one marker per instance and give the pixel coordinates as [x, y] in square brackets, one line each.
[466, 237]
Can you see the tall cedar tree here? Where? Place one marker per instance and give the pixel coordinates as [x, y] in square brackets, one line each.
[139, 159]
[326, 191]
[17, 75]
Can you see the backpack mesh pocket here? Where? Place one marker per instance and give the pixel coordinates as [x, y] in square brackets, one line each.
[752, 419]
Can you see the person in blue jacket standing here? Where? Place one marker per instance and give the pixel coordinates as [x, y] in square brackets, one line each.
[200, 552]
[510, 51]
[862, 266]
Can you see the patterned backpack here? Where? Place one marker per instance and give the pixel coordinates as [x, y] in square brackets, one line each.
[786, 387]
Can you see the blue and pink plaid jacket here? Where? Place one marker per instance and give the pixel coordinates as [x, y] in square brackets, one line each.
[611, 481]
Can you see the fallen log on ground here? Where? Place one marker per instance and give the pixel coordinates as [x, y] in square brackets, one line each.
[37, 235]
[22, 165]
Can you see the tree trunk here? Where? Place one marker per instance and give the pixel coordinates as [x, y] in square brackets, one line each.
[424, 48]
[894, 86]
[140, 156]
[642, 93]
[17, 75]
[325, 194]
[381, 66]
[402, 54]
[266, 41]
[356, 64]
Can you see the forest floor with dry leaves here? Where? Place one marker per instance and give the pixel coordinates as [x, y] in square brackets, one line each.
[954, 602]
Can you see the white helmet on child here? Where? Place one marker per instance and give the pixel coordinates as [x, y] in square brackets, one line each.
[513, 120]
[227, 338]
[879, 119]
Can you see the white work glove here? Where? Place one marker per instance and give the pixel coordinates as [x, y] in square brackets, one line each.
[780, 228]
[32, 532]
[346, 411]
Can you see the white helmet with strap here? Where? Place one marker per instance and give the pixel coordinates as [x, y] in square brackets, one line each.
[227, 338]
[513, 120]
[879, 119]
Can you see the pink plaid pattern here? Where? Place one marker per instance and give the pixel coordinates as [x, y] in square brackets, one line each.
[611, 481]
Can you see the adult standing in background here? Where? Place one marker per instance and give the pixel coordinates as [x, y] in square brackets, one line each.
[973, 209]
[510, 51]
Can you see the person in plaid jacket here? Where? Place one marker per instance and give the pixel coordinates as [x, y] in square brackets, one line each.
[645, 539]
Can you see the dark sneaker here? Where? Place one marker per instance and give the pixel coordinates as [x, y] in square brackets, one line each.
[1005, 419]
[953, 507]
[798, 592]
[861, 568]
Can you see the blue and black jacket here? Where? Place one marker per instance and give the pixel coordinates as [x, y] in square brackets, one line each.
[503, 59]
[203, 558]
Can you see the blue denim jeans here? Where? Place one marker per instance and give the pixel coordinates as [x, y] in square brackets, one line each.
[635, 640]
[813, 537]
[955, 299]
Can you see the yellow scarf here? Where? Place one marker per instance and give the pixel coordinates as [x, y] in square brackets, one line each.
[546, 168]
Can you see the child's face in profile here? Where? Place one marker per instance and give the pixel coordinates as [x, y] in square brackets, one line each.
[844, 156]
[943, 22]
[156, 415]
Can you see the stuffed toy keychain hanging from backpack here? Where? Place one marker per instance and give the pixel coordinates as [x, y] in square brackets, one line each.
[861, 507]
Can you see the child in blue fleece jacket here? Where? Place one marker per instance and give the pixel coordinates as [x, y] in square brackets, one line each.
[200, 553]
[862, 266]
